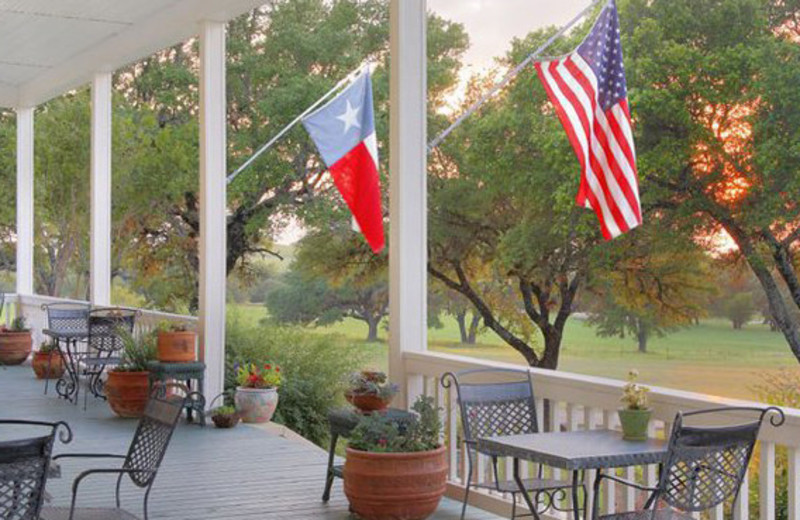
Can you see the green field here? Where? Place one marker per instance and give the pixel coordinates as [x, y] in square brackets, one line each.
[711, 357]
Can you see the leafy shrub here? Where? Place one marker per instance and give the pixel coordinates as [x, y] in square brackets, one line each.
[378, 433]
[315, 369]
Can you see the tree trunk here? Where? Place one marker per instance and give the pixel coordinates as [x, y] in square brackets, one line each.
[372, 323]
[472, 336]
[461, 318]
[641, 335]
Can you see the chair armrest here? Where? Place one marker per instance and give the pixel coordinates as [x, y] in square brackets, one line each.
[107, 471]
[89, 456]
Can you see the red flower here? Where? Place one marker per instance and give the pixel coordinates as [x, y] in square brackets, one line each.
[277, 369]
[268, 367]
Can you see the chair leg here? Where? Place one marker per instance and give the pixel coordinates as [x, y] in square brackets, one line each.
[513, 506]
[466, 493]
[49, 371]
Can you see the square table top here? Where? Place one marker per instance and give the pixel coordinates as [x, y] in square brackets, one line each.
[577, 450]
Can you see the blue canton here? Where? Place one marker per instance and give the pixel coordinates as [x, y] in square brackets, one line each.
[602, 50]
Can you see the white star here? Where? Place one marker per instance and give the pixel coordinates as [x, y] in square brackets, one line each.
[349, 117]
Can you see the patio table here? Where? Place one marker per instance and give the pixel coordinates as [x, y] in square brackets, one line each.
[576, 451]
[67, 344]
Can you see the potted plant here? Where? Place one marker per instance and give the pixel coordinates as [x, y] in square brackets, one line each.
[635, 416]
[176, 343]
[395, 471]
[370, 391]
[256, 395]
[15, 342]
[47, 363]
[127, 387]
[225, 416]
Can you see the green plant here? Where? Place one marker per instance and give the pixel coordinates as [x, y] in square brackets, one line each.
[249, 375]
[47, 348]
[136, 352]
[172, 326]
[315, 368]
[634, 395]
[18, 324]
[223, 410]
[372, 383]
[378, 433]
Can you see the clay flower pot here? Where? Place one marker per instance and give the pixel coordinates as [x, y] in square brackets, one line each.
[127, 392]
[15, 347]
[367, 402]
[256, 405]
[47, 365]
[176, 346]
[392, 486]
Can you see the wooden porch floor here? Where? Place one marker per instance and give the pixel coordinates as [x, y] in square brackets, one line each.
[239, 474]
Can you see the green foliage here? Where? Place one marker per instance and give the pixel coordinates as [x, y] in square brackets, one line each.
[740, 309]
[315, 368]
[226, 410]
[380, 434]
[250, 375]
[137, 351]
[372, 383]
[19, 324]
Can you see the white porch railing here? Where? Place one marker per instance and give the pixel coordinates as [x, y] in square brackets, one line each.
[579, 402]
[30, 306]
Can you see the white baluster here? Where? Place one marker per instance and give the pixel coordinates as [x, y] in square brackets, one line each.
[793, 484]
[741, 508]
[766, 482]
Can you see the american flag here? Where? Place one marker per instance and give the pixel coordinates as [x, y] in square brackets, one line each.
[588, 90]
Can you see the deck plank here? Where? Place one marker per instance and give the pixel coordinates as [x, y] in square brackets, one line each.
[245, 473]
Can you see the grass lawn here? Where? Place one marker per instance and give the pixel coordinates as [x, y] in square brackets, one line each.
[711, 357]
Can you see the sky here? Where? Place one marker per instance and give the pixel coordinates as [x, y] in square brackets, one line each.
[492, 24]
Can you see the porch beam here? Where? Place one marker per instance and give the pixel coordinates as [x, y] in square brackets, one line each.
[408, 190]
[100, 237]
[25, 200]
[213, 206]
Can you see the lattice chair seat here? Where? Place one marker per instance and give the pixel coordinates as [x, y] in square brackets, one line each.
[24, 467]
[661, 514]
[705, 465]
[143, 460]
[86, 513]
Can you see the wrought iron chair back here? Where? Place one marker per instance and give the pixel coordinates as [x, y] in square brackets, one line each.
[494, 408]
[706, 464]
[69, 317]
[24, 464]
[104, 327]
[149, 444]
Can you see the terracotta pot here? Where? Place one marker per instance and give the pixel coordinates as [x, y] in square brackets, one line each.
[395, 486]
[256, 405]
[367, 402]
[47, 365]
[127, 392]
[15, 347]
[176, 346]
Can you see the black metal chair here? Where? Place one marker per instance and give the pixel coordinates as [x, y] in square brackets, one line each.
[65, 317]
[104, 345]
[493, 403]
[142, 462]
[24, 467]
[704, 467]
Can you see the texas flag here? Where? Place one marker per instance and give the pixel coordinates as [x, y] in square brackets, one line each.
[344, 131]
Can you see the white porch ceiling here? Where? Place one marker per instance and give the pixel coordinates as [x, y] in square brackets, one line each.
[48, 47]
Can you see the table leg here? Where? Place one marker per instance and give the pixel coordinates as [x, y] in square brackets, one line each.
[576, 507]
[326, 495]
[523, 491]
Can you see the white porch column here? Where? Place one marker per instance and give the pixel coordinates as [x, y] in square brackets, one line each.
[100, 253]
[212, 204]
[408, 321]
[25, 200]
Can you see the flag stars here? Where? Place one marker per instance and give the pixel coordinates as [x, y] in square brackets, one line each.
[349, 117]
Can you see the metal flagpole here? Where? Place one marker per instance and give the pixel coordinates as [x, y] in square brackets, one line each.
[508, 77]
[296, 120]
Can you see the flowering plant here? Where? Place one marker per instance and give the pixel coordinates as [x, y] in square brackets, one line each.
[634, 395]
[249, 375]
[379, 433]
[372, 383]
